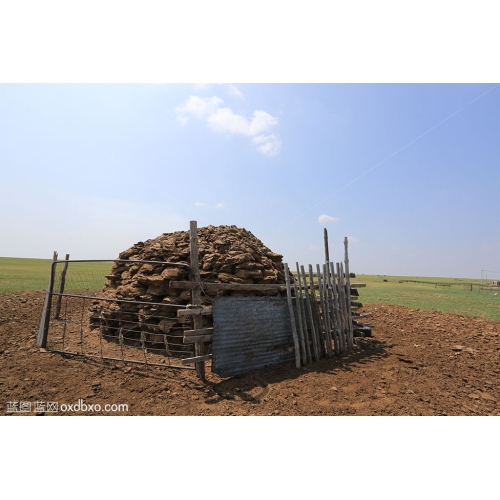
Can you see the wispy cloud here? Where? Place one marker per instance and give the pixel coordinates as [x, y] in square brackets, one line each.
[225, 120]
[220, 205]
[199, 204]
[327, 218]
[352, 239]
[234, 91]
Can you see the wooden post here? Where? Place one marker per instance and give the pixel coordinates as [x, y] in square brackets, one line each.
[348, 293]
[327, 252]
[343, 307]
[315, 307]
[57, 311]
[195, 294]
[330, 305]
[336, 306]
[292, 317]
[45, 320]
[298, 305]
[311, 317]
[303, 308]
[324, 310]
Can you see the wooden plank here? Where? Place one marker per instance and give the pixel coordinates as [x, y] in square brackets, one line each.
[199, 331]
[198, 338]
[187, 285]
[311, 317]
[356, 285]
[292, 317]
[196, 294]
[304, 314]
[196, 360]
[195, 311]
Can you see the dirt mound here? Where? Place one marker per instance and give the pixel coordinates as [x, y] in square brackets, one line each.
[227, 254]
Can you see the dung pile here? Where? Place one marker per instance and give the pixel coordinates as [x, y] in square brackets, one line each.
[227, 254]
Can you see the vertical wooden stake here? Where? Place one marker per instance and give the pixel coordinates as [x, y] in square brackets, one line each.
[330, 305]
[348, 293]
[303, 308]
[311, 317]
[337, 305]
[45, 320]
[324, 309]
[298, 305]
[327, 252]
[320, 336]
[292, 317]
[57, 311]
[195, 293]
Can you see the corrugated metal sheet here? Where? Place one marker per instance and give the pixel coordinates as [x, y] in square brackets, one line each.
[250, 333]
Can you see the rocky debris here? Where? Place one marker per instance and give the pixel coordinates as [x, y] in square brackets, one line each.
[227, 254]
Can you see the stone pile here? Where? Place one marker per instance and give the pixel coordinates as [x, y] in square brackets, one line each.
[227, 254]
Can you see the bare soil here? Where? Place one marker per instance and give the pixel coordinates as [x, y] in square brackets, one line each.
[416, 363]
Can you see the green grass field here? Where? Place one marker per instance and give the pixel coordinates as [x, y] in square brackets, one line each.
[33, 274]
[451, 295]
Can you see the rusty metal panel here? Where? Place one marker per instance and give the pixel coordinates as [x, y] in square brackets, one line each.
[250, 333]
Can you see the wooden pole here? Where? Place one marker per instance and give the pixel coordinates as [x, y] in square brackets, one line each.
[327, 252]
[57, 311]
[298, 305]
[325, 312]
[331, 305]
[336, 306]
[45, 320]
[320, 336]
[195, 294]
[311, 317]
[292, 317]
[343, 307]
[303, 307]
[348, 293]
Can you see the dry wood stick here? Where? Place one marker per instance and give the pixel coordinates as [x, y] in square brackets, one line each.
[320, 336]
[304, 315]
[343, 308]
[292, 317]
[331, 306]
[311, 317]
[298, 305]
[336, 303]
[348, 293]
[324, 309]
[57, 311]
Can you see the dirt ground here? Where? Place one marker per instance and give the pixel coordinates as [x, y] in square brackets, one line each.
[416, 363]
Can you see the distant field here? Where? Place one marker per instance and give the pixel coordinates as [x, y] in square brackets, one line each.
[33, 274]
[451, 295]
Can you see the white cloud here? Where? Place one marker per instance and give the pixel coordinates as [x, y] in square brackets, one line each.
[327, 218]
[225, 120]
[220, 205]
[268, 145]
[200, 107]
[234, 91]
[199, 204]
[352, 239]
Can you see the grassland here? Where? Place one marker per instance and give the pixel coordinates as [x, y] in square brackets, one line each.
[453, 295]
[33, 274]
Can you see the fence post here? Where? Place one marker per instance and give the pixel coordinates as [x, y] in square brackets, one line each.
[348, 293]
[45, 320]
[57, 311]
[292, 317]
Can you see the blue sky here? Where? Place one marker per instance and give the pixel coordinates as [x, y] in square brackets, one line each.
[409, 172]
